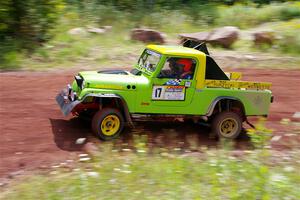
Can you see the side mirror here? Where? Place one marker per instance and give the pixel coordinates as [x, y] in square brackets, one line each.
[160, 75]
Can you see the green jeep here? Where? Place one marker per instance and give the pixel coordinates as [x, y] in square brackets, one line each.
[167, 81]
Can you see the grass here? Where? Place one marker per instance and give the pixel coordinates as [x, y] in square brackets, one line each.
[88, 50]
[214, 175]
[115, 171]
[116, 49]
[286, 41]
[290, 42]
[252, 15]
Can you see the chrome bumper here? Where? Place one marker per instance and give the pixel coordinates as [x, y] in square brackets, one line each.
[65, 102]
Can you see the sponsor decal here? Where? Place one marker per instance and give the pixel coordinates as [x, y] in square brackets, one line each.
[238, 84]
[169, 93]
[187, 84]
[173, 82]
[115, 87]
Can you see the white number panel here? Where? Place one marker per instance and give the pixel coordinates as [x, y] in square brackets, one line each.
[164, 92]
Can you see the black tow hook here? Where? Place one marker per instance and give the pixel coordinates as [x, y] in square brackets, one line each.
[251, 125]
[272, 99]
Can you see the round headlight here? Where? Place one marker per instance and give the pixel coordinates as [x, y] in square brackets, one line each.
[83, 85]
[73, 96]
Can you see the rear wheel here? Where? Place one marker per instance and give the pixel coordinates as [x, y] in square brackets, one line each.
[108, 123]
[227, 124]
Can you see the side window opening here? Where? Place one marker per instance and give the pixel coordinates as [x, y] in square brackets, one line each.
[213, 71]
[179, 68]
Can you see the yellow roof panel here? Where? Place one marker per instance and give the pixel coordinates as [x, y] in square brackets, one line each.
[175, 50]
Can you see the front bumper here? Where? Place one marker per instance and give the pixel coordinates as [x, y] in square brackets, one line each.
[66, 103]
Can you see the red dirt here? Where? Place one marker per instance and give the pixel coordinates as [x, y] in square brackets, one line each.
[34, 133]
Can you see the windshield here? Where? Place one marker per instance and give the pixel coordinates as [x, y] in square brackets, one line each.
[148, 60]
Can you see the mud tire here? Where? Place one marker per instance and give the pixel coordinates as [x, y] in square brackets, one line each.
[100, 117]
[227, 125]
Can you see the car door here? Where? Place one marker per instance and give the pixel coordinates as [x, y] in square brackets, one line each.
[171, 88]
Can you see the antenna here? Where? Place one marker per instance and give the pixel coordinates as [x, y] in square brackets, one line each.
[201, 46]
[183, 42]
[195, 47]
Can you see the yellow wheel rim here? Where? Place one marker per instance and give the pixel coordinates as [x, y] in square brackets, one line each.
[228, 127]
[110, 125]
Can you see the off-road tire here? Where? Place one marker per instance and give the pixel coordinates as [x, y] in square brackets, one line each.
[227, 125]
[98, 119]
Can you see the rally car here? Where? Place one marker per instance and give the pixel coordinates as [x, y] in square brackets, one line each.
[166, 81]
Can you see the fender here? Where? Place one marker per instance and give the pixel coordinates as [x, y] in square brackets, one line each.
[68, 106]
[215, 102]
[124, 104]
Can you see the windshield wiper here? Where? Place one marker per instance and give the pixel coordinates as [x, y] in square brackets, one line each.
[136, 72]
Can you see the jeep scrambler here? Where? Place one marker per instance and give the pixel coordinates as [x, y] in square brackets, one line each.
[167, 81]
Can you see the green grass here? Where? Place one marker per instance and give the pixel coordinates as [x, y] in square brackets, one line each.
[213, 175]
[252, 15]
[115, 49]
[290, 38]
[117, 171]
[90, 50]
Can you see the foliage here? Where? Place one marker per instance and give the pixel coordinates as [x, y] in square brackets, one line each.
[214, 174]
[290, 12]
[10, 58]
[260, 136]
[31, 31]
[290, 38]
[251, 15]
[28, 20]
[24, 25]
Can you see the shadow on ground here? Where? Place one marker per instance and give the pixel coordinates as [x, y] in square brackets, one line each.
[66, 133]
[156, 134]
[179, 135]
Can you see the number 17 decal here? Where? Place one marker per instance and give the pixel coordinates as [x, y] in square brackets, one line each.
[171, 93]
[158, 92]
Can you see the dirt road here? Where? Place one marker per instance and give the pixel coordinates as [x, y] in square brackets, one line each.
[34, 133]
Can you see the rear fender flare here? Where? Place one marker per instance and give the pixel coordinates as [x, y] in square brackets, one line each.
[218, 99]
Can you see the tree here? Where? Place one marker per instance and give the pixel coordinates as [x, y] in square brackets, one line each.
[28, 21]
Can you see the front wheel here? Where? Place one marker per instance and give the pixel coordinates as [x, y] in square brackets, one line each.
[108, 123]
[227, 125]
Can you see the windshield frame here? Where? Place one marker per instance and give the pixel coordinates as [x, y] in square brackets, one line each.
[143, 66]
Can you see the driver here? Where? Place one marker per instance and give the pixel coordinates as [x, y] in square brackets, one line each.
[186, 68]
[176, 68]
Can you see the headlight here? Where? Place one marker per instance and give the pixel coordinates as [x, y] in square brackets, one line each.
[79, 81]
[69, 89]
[73, 96]
[83, 85]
